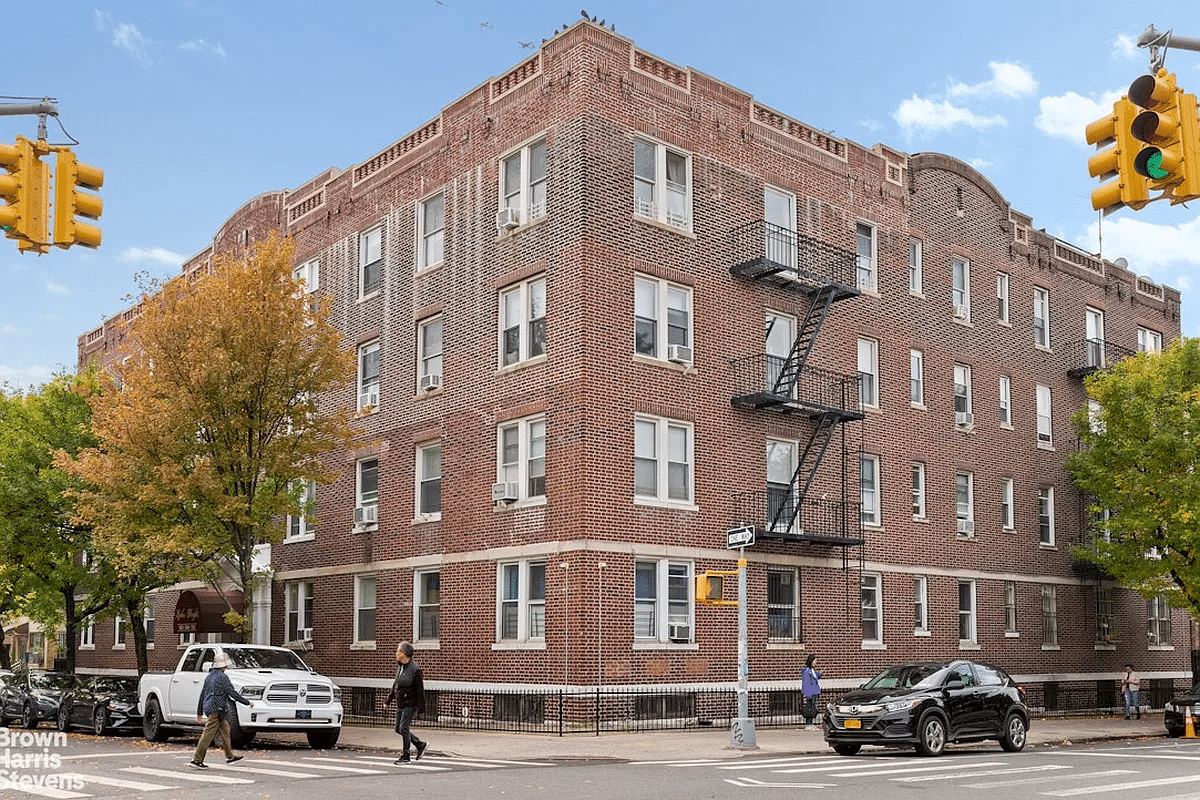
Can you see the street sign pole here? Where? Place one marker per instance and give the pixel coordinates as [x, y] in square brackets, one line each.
[741, 733]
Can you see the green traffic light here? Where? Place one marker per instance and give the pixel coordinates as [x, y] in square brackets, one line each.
[1149, 164]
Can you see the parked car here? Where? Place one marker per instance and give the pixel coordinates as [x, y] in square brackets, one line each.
[1175, 712]
[32, 696]
[101, 704]
[927, 705]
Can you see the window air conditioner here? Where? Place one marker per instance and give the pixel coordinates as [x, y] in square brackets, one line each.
[430, 382]
[966, 527]
[366, 515]
[680, 354]
[962, 312]
[507, 219]
[368, 399]
[505, 492]
[679, 633]
[964, 418]
[304, 635]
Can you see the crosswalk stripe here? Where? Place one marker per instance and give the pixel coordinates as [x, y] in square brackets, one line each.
[308, 764]
[203, 777]
[1139, 755]
[1120, 787]
[774, 763]
[682, 762]
[256, 770]
[43, 791]
[105, 780]
[898, 770]
[1108, 773]
[981, 773]
[870, 766]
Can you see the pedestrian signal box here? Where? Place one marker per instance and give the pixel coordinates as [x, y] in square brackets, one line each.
[710, 588]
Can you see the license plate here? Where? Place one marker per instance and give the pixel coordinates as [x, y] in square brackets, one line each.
[304, 713]
[852, 723]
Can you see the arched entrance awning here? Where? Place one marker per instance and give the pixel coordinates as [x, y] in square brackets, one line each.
[203, 610]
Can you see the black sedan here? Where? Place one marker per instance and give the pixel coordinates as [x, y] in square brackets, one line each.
[101, 704]
[1175, 712]
[32, 697]
[927, 705]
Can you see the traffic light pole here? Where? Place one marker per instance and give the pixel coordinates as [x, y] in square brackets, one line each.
[1155, 39]
[741, 733]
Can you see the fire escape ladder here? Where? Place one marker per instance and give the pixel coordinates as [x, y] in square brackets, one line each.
[814, 451]
[806, 337]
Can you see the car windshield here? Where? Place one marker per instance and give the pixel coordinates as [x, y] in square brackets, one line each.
[114, 685]
[253, 658]
[908, 676]
[55, 683]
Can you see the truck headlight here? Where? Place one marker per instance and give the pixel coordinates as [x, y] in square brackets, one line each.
[337, 693]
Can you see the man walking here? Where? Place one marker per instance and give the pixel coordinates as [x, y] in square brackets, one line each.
[408, 690]
[1129, 687]
[214, 702]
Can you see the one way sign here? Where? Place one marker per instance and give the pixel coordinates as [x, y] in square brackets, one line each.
[739, 537]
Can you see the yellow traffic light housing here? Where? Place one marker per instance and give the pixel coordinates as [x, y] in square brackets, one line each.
[25, 188]
[69, 202]
[710, 588]
[1115, 163]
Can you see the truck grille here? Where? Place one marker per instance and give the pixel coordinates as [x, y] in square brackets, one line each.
[315, 694]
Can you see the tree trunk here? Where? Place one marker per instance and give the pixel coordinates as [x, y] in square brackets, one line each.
[5, 661]
[136, 611]
[72, 625]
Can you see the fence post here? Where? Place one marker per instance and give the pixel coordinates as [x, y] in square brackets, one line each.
[560, 712]
[597, 710]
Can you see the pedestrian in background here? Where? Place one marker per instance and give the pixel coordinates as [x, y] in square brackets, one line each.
[810, 687]
[1129, 688]
[214, 702]
[408, 690]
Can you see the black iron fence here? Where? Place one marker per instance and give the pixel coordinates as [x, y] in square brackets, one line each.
[761, 245]
[817, 389]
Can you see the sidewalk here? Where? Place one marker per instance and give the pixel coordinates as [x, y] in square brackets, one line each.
[704, 743]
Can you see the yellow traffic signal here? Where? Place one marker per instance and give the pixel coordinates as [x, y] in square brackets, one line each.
[25, 190]
[709, 587]
[1115, 163]
[69, 202]
[1169, 126]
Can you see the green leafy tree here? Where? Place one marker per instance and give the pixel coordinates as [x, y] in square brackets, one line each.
[217, 423]
[1139, 462]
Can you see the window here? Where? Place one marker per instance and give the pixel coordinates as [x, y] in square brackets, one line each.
[119, 632]
[367, 491]
[1049, 616]
[523, 322]
[864, 238]
[1045, 433]
[918, 490]
[783, 621]
[662, 316]
[1106, 616]
[1006, 503]
[780, 337]
[521, 456]
[869, 483]
[364, 608]
[916, 377]
[872, 609]
[781, 492]
[868, 373]
[522, 612]
[187, 638]
[650, 601]
[303, 525]
[1002, 297]
[368, 375]
[428, 604]
[148, 620]
[370, 261]
[1010, 608]
[1094, 333]
[960, 292]
[429, 359]
[87, 633]
[310, 274]
[299, 599]
[1159, 614]
[662, 184]
[431, 231]
[1006, 401]
[966, 613]
[1046, 515]
[1148, 341]
[1095, 416]
[920, 606]
[779, 214]
[915, 281]
[662, 456]
[523, 182]
[429, 480]
[1041, 317]
[962, 396]
[964, 496]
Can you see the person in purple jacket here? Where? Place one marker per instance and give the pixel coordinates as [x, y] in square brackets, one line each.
[214, 702]
[810, 687]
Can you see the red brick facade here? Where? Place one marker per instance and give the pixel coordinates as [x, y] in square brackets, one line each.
[587, 93]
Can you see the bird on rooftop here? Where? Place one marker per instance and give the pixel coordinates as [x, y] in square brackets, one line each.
[584, 13]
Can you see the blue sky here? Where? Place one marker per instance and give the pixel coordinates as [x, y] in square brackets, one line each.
[193, 107]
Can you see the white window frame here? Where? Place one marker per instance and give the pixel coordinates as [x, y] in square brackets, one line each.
[1045, 417]
[660, 188]
[1007, 515]
[1045, 512]
[302, 527]
[309, 272]
[119, 629]
[424, 477]
[1148, 341]
[367, 383]
[370, 254]
[921, 606]
[1106, 616]
[427, 605]
[785, 580]
[870, 491]
[1158, 614]
[298, 608]
[527, 302]
[530, 608]
[916, 281]
[87, 634]
[779, 231]
[663, 326]
[868, 373]
[672, 603]
[1049, 616]
[960, 285]
[364, 497]
[964, 510]
[1041, 317]
[431, 232]
[968, 628]
[521, 456]
[962, 396]
[1006, 401]
[659, 452]
[866, 248]
[1003, 282]
[528, 196]
[1010, 609]
[148, 621]
[916, 378]
[429, 349]
[871, 584]
[918, 489]
[781, 456]
[361, 605]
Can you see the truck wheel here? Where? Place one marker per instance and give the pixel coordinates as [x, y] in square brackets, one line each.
[323, 740]
[238, 738]
[152, 723]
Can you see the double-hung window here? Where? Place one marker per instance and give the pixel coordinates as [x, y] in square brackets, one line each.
[871, 587]
[915, 279]
[1006, 401]
[1002, 280]
[1046, 515]
[781, 492]
[662, 460]
[431, 231]
[783, 621]
[521, 456]
[370, 261]
[119, 628]
[662, 602]
[964, 498]
[868, 373]
[429, 481]
[1049, 616]
[962, 396]
[367, 489]
[1041, 316]
[368, 375]
[1006, 503]
[866, 274]
[662, 318]
[429, 356]
[966, 613]
[364, 608]
[1106, 615]
[662, 180]
[523, 182]
[960, 288]
[301, 526]
[869, 489]
[1159, 614]
[523, 322]
[298, 597]
[1148, 341]
[916, 377]
[87, 633]
[779, 235]
[918, 490]
[521, 611]
[309, 275]
[1045, 430]
[1010, 608]
[428, 604]
[921, 606]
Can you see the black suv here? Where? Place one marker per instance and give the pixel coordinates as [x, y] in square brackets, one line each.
[927, 705]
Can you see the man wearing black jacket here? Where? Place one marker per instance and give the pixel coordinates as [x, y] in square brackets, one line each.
[408, 690]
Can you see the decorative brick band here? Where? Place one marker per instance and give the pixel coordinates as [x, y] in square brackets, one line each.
[401, 148]
[309, 203]
[1082, 260]
[1145, 286]
[797, 130]
[526, 70]
[657, 68]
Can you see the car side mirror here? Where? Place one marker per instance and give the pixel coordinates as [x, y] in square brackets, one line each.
[954, 683]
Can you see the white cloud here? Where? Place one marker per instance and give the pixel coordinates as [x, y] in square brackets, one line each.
[1150, 248]
[1183, 283]
[1008, 80]
[201, 46]
[923, 114]
[25, 378]
[9, 329]
[158, 255]
[981, 164]
[124, 35]
[1124, 47]
[870, 124]
[57, 288]
[1066, 116]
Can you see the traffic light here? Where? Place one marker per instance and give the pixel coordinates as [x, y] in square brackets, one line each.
[1168, 125]
[69, 202]
[1116, 161]
[25, 190]
[709, 588]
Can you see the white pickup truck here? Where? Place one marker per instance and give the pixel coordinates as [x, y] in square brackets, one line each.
[288, 696]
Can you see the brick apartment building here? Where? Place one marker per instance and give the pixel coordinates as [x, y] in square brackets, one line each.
[606, 309]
